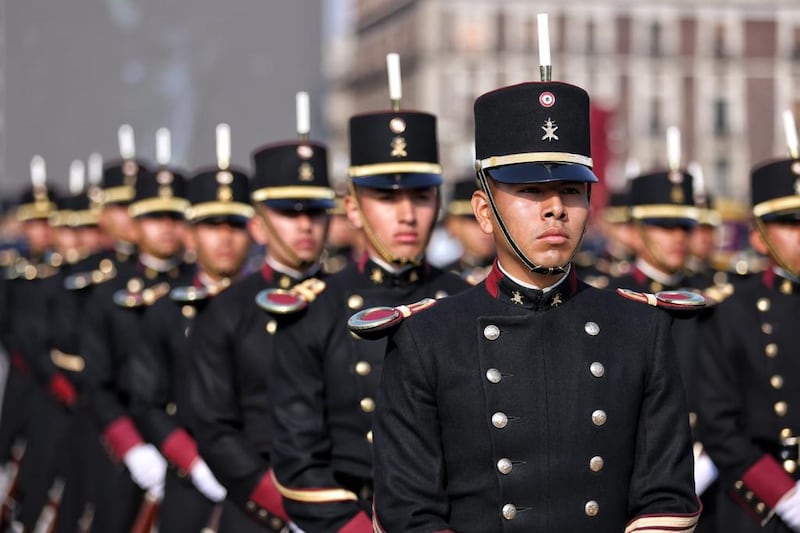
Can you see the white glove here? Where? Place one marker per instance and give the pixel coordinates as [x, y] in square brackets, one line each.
[704, 473]
[147, 467]
[205, 481]
[788, 508]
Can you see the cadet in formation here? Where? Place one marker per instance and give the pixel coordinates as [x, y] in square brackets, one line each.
[533, 402]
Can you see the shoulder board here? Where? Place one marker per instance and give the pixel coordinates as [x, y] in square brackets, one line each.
[189, 293]
[678, 300]
[140, 298]
[105, 271]
[377, 322]
[293, 300]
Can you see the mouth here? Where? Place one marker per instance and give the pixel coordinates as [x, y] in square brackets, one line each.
[406, 238]
[553, 236]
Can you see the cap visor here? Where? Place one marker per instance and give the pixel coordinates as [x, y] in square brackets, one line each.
[541, 172]
[299, 204]
[687, 223]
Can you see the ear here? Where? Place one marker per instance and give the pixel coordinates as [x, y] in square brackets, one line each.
[757, 242]
[257, 227]
[483, 212]
[351, 209]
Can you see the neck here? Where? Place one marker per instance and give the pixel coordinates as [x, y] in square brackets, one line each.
[665, 278]
[159, 264]
[291, 271]
[535, 281]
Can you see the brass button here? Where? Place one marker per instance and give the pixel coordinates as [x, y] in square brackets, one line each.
[599, 417]
[499, 420]
[440, 294]
[106, 266]
[355, 302]
[275, 524]
[597, 369]
[135, 285]
[786, 433]
[790, 465]
[491, 332]
[171, 408]
[596, 463]
[363, 368]
[251, 506]
[369, 436]
[656, 286]
[763, 304]
[591, 328]
[738, 485]
[367, 405]
[262, 514]
[493, 375]
[766, 328]
[591, 508]
[776, 381]
[771, 350]
[749, 495]
[271, 327]
[781, 408]
[504, 466]
[761, 507]
[285, 282]
[188, 311]
[509, 511]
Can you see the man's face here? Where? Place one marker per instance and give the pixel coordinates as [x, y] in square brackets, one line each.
[473, 240]
[785, 238]
[37, 234]
[159, 236]
[117, 223]
[402, 219]
[302, 232]
[221, 248]
[546, 220]
[701, 242]
[90, 239]
[65, 240]
[665, 248]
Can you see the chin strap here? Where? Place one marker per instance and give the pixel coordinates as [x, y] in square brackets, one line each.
[382, 250]
[762, 230]
[297, 263]
[530, 265]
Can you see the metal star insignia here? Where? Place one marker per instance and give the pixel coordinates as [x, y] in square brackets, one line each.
[556, 300]
[517, 297]
[549, 131]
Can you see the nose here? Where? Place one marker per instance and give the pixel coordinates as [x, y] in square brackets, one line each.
[405, 209]
[553, 206]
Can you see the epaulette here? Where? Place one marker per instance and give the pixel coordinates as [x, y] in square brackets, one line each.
[718, 293]
[377, 322]
[292, 300]
[135, 295]
[24, 269]
[189, 294]
[105, 271]
[598, 282]
[681, 302]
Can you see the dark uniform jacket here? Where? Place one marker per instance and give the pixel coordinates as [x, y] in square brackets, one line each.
[751, 398]
[503, 409]
[322, 385]
[228, 390]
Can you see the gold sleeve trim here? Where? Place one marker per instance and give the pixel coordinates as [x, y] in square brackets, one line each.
[777, 205]
[293, 192]
[314, 495]
[664, 211]
[534, 157]
[66, 361]
[677, 523]
[400, 167]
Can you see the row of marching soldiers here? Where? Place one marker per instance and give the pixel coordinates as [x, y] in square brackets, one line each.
[150, 391]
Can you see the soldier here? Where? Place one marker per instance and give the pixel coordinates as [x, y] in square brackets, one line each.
[616, 257]
[322, 381]
[110, 331]
[477, 248]
[218, 216]
[749, 420]
[229, 342]
[25, 282]
[533, 402]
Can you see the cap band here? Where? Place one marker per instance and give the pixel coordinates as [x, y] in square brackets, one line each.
[293, 192]
[776, 205]
[394, 168]
[157, 205]
[216, 209]
[534, 157]
[664, 211]
[123, 193]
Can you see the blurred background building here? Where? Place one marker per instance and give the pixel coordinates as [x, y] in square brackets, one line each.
[720, 70]
[72, 72]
